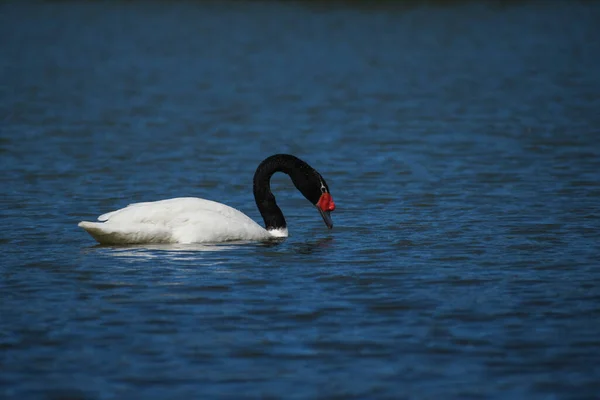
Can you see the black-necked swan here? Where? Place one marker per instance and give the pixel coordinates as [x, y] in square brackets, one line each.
[195, 220]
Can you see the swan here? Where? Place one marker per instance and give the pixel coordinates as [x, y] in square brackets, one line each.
[189, 220]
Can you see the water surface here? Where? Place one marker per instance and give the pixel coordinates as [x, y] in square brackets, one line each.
[460, 144]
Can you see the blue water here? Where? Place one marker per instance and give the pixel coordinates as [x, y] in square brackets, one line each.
[460, 144]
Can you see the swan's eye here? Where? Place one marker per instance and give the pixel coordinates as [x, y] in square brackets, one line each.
[323, 188]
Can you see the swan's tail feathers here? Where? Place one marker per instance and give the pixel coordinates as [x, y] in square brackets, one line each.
[112, 233]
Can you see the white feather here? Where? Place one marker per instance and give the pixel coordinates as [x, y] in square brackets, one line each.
[179, 220]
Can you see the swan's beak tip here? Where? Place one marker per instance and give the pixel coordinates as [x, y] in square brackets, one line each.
[326, 217]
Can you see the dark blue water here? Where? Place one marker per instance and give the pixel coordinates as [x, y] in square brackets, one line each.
[459, 141]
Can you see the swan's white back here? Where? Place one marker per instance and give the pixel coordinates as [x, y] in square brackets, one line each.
[179, 220]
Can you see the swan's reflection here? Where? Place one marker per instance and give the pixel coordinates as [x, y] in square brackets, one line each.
[179, 252]
[169, 251]
[313, 246]
[306, 247]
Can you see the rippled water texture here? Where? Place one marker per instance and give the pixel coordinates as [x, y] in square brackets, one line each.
[459, 141]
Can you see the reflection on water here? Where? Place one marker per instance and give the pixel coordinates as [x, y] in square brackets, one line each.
[189, 251]
[165, 247]
[167, 252]
[312, 246]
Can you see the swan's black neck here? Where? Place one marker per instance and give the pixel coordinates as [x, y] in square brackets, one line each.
[300, 173]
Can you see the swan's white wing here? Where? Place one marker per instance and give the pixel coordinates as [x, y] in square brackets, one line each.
[167, 210]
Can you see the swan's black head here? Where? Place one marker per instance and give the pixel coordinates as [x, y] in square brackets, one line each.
[312, 185]
[306, 179]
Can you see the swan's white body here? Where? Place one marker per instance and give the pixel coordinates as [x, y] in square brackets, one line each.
[179, 220]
